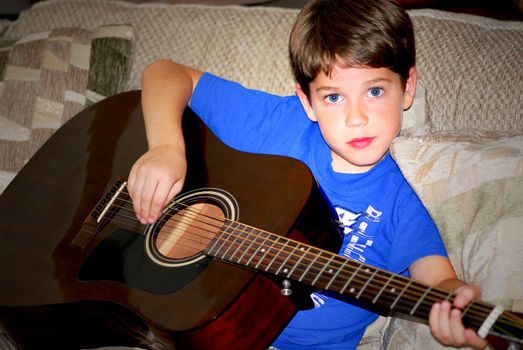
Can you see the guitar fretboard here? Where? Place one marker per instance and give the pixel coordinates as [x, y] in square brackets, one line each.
[263, 251]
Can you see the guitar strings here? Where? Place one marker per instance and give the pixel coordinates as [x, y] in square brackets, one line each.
[360, 282]
[516, 319]
[273, 243]
[221, 225]
[366, 285]
[334, 255]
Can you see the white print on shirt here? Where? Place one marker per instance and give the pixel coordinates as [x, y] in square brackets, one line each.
[356, 225]
[318, 299]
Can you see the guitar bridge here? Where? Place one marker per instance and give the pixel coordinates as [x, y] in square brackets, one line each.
[106, 204]
[102, 213]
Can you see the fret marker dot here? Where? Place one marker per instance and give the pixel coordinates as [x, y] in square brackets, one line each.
[262, 250]
[331, 271]
[352, 290]
[393, 290]
[285, 270]
[367, 270]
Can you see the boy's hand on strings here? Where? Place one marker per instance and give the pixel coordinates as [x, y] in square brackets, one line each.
[445, 320]
[155, 179]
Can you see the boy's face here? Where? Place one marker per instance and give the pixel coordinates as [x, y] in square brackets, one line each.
[359, 113]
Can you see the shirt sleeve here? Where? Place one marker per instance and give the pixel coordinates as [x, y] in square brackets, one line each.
[245, 119]
[416, 235]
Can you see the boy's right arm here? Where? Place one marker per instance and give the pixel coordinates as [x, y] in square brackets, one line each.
[158, 175]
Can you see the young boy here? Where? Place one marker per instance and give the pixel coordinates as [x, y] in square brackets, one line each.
[354, 62]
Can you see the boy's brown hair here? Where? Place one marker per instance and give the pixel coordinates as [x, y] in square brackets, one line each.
[353, 33]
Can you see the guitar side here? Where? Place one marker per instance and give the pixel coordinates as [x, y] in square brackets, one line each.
[43, 300]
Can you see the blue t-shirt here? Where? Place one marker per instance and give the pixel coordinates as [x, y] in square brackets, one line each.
[385, 223]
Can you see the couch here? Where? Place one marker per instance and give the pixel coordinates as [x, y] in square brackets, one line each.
[461, 144]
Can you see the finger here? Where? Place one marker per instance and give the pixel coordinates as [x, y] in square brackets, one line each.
[135, 187]
[443, 321]
[434, 320]
[474, 340]
[463, 297]
[159, 200]
[148, 189]
[465, 294]
[131, 182]
[175, 189]
[456, 328]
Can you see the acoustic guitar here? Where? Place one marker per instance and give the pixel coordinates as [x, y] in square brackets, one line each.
[227, 265]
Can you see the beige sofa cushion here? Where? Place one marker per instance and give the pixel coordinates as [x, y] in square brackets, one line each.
[471, 67]
[48, 77]
[472, 185]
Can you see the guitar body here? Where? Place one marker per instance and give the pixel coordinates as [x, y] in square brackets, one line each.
[65, 287]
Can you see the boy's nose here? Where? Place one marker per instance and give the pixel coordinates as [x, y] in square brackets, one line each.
[356, 117]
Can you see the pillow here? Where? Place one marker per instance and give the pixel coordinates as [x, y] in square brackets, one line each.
[472, 185]
[471, 67]
[48, 77]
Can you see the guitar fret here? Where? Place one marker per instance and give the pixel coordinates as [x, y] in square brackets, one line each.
[305, 252]
[333, 278]
[401, 294]
[284, 263]
[256, 249]
[420, 300]
[242, 235]
[267, 250]
[464, 312]
[382, 289]
[308, 267]
[249, 246]
[447, 298]
[236, 237]
[276, 255]
[217, 239]
[350, 279]
[323, 269]
[366, 283]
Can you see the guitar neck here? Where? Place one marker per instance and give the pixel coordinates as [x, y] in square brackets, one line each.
[395, 294]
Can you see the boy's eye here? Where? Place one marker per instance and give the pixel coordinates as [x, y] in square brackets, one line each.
[375, 91]
[334, 98]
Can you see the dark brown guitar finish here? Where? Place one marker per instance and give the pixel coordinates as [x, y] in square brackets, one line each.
[45, 305]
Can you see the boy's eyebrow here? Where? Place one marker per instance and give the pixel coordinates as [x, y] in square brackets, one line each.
[368, 82]
[377, 80]
[327, 88]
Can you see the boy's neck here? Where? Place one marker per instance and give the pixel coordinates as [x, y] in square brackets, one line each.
[340, 166]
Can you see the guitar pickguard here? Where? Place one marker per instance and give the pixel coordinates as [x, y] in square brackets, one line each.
[120, 257]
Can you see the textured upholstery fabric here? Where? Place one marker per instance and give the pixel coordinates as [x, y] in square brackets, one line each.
[48, 77]
[472, 185]
[472, 71]
[469, 66]
[469, 183]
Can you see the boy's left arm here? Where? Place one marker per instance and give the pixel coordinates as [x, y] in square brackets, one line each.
[445, 318]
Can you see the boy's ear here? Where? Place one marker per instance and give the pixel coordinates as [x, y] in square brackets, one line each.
[305, 103]
[410, 88]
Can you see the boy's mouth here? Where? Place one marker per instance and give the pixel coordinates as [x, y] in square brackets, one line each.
[361, 142]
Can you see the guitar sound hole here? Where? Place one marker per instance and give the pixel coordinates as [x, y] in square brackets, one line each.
[189, 231]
